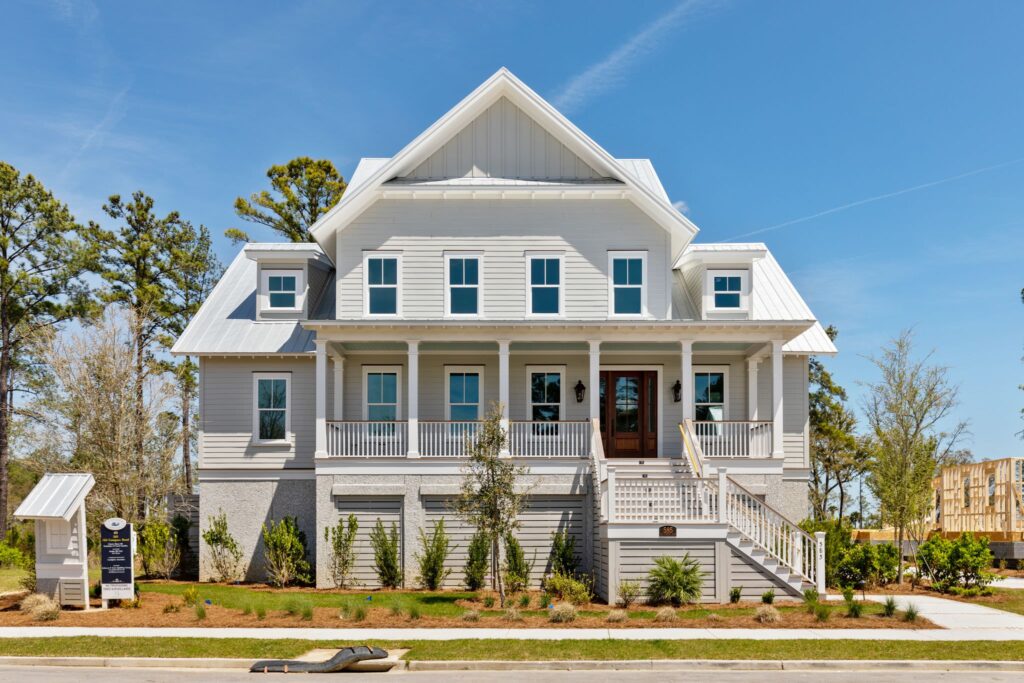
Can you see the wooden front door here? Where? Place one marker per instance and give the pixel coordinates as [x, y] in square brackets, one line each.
[629, 413]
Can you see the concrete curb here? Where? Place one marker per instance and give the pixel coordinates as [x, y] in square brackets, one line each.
[719, 665]
[197, 663]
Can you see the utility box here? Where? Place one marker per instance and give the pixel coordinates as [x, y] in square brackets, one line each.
[57, 504]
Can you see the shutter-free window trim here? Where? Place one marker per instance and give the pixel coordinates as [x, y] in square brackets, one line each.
[269, 415]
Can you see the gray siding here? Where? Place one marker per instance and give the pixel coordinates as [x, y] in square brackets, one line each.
[504, 142]
[794, 406]
[504, 230]
[367, 512]
[636, 558]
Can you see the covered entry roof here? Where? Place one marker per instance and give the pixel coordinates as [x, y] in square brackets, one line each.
[56, 496]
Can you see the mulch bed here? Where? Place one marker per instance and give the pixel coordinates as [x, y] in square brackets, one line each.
[151, 613]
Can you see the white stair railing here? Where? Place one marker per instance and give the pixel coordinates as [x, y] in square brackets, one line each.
[691, 448]
[668, 499]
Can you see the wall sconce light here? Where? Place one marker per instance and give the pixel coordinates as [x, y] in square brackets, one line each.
[581, 391]
[677, 391]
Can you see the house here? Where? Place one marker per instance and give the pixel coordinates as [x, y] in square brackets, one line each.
[985, 498]
[655, 387]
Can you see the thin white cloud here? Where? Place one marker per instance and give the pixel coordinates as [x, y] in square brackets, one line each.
[610, 71]
[94, 135]
[876, 198]
[681, 206]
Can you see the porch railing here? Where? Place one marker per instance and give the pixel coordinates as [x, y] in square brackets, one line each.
[561, 439]
[670, 499]
[734, 439]
[368, 439]
[448, 439]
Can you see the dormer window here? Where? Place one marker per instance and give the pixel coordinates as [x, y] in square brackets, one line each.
[282, 290]
[727, 291]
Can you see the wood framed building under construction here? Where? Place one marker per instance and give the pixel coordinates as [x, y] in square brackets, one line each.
[986, 498]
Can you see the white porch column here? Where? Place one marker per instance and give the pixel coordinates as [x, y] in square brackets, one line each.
[321, 398]
[752, 364]
[414, 399]
[777, 448]
[595, 379]
[503, 347]
[338, 409]
[687, 379]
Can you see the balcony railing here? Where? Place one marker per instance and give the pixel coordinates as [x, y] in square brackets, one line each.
[562, 439]
[367, 439]
[448, 439]
[734, 439]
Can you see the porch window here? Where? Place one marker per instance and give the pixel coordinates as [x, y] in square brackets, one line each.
[382, 295]
[464, 390]
[709, 395]
[282, 289]
[545, 285]
[463, 295]
[271, 407]
[383, 402]
[546, 398]
[628, 290]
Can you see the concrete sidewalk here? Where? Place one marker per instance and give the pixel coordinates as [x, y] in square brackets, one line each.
[956, 615]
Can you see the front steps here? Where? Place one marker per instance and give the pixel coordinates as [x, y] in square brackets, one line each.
[790, 582]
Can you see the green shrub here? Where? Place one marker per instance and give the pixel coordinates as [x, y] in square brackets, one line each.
[910, 613]
[261, 613]
[359, 613]
[225, 554]
[11, 556]
[436, 548]
[822, 611]
[568, 589]
[962, 563]
[247, 610]
[617, 616]
[869, 565]
[546, 600]
[735, 594]
[174, 608]
[854, 609]
[848, 594]
[200, 611]
[766, 614]
[811, 595]
[629, 592]
[307, 612]
[524, 601]
[284, 553]
[517, 568]
[385, 555]
[159, 549]
[563, 554]
[414, 613]
[341, 544]
[190, 596]
[489, 602]
[674, 581]
[889, 606]
[180, 527]
[768, 597]
[838, 539]
[478, 556]
[665, 615]
[562, 613]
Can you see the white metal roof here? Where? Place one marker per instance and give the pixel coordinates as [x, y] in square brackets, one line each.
[56, 496]
[643, 171]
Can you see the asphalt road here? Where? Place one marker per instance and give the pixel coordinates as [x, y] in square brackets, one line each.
[32, 674]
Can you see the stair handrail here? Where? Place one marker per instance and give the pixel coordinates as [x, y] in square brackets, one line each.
[691, 447]
[598, 465]
[795, 548]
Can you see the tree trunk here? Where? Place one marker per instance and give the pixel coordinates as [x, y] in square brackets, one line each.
[899, 554]
[5, 423]
[140, 459]
[842, 499]
[501, 583]
[186, 426]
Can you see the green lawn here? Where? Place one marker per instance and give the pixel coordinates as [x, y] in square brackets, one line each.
[89, 646]
[1007, 599]
[238, 597]
[9, 578]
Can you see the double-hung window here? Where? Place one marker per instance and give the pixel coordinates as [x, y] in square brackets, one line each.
[709, 395]
[462, 297]
[545, 285]
[271, 406]
[465, 387]
[282, 290]
[546, 398]
[726, 291]
[383, 393]
[382, 277]
[627, 284]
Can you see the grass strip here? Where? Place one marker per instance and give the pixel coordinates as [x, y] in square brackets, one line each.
[523, 650]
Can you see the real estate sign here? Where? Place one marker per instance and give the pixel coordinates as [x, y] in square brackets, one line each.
[117, 576]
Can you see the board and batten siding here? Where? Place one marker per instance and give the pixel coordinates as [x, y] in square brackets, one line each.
[504, 142]
[422, 230]
[226, 413]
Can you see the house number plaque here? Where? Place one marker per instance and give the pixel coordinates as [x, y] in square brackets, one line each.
[665, 531]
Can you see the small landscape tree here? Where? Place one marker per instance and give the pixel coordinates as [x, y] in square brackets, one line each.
[385, 555]
[159, 549]
[436, 548]
[284, 553]
[477, 560]
[341, 541]
[225, 555]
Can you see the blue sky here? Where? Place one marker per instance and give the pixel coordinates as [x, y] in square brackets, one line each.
[878, 148]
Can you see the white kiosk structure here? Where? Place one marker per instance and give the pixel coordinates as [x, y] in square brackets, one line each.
[57, 504]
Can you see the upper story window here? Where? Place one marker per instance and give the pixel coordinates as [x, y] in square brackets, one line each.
[545, 288]
[727, 290]
[463, 294]
[282, 290]
[628, 284]
[270, 413]
[382, 273]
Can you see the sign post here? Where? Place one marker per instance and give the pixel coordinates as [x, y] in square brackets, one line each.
[117, 550]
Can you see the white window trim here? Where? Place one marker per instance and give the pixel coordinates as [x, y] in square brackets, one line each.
[448, 370]
[709, 290]
[300, 289]
[397, 369]
[702, 369]
[642, 255]
[64, 547]
[479, 256]
[529, 256]
[367, 255]
[560, 369]
[287, 377]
